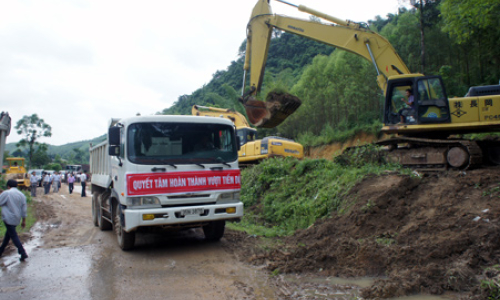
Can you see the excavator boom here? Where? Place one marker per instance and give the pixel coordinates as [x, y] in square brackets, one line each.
[345, 35]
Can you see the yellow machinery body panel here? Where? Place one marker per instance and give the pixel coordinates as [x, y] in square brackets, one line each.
[17, 171]
[252, 150]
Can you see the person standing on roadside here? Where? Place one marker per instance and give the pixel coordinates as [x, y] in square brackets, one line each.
[71, 182]
[14, 208]
[34, 183]
[47, 181]
[56, 182]
[83, 180]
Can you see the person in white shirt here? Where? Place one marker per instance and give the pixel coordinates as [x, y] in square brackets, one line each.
[47, 181]
[83, 180]
[14, 209]
[34, 183]
[56, 182]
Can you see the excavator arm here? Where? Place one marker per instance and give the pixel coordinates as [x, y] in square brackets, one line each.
[238, 119]
[345, 35]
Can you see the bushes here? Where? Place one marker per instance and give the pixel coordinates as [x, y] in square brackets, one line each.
[282, 195]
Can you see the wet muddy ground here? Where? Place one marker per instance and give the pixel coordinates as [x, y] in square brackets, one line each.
[423, 235]
[69, 258]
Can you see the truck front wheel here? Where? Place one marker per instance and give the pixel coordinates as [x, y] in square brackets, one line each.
[214, 230]
[125, 239]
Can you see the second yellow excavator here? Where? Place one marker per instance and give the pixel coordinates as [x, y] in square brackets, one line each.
[17, 171]
[425, 127]
[252, 150]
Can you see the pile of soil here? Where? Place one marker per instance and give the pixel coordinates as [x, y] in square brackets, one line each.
[428, 233]
[272, 112]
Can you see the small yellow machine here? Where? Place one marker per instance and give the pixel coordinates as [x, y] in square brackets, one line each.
[17, 171]
[251, 149]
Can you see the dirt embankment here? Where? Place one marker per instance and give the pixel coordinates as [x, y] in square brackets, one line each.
[430, 234]
[332, 150]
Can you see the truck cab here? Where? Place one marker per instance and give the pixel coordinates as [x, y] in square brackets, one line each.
[168, 171]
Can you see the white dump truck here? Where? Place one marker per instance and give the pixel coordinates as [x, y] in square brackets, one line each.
[166, 171]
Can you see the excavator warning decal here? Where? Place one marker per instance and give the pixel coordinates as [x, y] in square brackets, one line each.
[459, 111]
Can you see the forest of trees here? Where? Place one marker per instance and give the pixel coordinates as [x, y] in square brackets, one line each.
[451, 38]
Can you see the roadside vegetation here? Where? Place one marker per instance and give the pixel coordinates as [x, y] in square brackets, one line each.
[455, 39]
[282, 195]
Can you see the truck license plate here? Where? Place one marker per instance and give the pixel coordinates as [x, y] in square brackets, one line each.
[192, 211]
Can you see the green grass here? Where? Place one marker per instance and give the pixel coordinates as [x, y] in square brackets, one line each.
[283, 195]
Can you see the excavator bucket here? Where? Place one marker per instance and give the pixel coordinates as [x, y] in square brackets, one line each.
[271, 113]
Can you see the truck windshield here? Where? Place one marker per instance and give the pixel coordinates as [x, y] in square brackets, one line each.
[180, 143]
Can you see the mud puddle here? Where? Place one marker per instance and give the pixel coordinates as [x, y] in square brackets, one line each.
[48, 274]
[334, 288]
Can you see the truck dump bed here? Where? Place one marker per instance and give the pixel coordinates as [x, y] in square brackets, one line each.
[100, 165]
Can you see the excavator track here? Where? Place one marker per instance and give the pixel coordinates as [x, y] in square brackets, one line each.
[433, 154]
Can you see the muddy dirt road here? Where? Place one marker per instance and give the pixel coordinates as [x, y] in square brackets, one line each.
[435, 235]
[69, 258]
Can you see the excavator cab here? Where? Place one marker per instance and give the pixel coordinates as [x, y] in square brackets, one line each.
[430, 102]
[246, 135]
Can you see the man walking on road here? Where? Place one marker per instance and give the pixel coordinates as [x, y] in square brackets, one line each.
[34, 183]
[71, 182]
[14, 208]
[83, 179]
[56, 182]
[47, 181]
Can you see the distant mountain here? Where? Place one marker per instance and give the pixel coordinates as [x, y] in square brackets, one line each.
[64, 150]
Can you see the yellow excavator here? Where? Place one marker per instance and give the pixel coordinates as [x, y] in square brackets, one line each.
[252, 150]
[427, 125]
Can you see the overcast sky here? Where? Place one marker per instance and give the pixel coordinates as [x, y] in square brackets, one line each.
[78, 63]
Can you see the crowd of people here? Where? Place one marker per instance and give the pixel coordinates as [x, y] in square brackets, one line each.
[14, 204]
[55, 179]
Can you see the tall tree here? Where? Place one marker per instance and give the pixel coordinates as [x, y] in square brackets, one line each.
[463, 18]
[32, 128]
[474, 24]
[40, 156]
[424, 7]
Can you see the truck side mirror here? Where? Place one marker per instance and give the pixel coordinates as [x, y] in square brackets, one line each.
[238, 142]
[114, 150]
[114, 136]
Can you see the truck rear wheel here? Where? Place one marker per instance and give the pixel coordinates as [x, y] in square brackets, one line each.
[214, 230]
[101, 222]
[94, 208]
[126, 240]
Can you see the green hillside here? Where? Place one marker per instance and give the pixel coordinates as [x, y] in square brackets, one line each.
[338, 89]
[73, 153]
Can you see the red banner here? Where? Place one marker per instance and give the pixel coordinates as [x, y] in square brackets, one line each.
[181, 182]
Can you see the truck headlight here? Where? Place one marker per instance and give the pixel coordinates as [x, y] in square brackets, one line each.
[229, 196]
[144, 201]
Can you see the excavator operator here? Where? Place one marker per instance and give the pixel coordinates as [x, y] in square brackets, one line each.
[407, 113]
